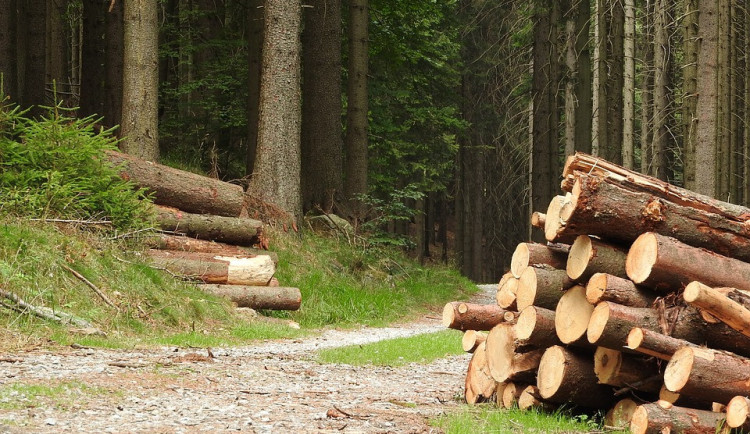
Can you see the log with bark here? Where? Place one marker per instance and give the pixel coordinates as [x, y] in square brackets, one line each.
[663, 417]
[471, 340]
[552, 222]
[480, 386]
[463, 316]
[189, 244]
[589, 256]
[530, 398]
[683, 400]
[535, 327]
[541, 287]
[537, 219]
[708, 374]
[258, 297]
[568, 376]
[232, 230]
[610, 323]
[509, 360]
[614, 368]
[606, 287]
[719, 304]
[180, 189]
[572, 315]
[506, 291]
[529, 254]
[210, 268]
[653, 343]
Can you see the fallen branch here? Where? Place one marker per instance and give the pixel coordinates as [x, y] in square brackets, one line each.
[98, 291]
[43, 312]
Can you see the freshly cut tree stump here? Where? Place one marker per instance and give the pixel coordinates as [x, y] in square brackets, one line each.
[537, 219]
[232, 230]
[541, 287]
[572, 315]
[470, 316]
[663, 417]
[188, 244]
[665, 264]
[737, 412]
[618, 417]
[708, 374]
[568, 376]
[506, 292]
[180, 189]
[606, 287]
[614, 368]
[258, 297]
[209, 268]
[530, 398]
[610, 323]
[732, 313]
[528, 254]
[511, 393]
[589, 256]
[472, 339]
[479, 383]
[653, 343]
[535, 327]
[507, 360]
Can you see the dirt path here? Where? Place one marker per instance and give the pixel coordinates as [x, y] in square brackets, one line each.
[272, 387]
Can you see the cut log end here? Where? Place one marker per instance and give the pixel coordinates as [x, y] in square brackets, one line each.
[635, 338]
[538, 219]
[597, 322]
[520, 259]
[607, 365]
[642, 257]
[572, 315]
[526, 323]
[678, 369]
[639, 420]
[550, 380]
[596, 287]
[472, 339]
[526, 290]
[579, 256]
[449, 315]
[737, 411]
[620, 415]
[552, 221]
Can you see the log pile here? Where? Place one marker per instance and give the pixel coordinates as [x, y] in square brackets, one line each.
[205, 234]
[638, 305]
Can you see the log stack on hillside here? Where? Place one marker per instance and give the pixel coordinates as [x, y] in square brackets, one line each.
[207, 235]
[639, 305]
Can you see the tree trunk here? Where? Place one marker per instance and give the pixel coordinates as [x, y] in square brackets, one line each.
[187, 244]
[254, 60]
[140, 102]
[583, 83]
[470, 316]
[723, 72]
[690, 88]
[567, 376]
[209, 268]
[94, 54]
[57, 59]
[662, 417]
[472, 339]
[611, 323]
[661, 64]
[734, 314]
[628, 89]
[653, 343]
[706, 130]
[8, 49]
[614, 80]
[276, 175]
[647, 87]
[113, 80]
[322, 145]
[527, 254]
[572, 315]
[232, 230]
[257, 297]
[666, 264]
[614, 368]
[541, 287]
[707, 374]
[34, 77]
[599, 103]
[535, 327]
[606, 287]
[590, 256]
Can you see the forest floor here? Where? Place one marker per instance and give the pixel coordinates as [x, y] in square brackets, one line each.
[269, 387]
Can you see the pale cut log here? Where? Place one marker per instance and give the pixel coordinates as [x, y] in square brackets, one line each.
[589, 256]
[541, 287]
[180, 189]
[506, 292]
[499, 390]
[232, 230]
[210, 268]
[471, 340]
[188, 244]
[618, 417]
[655, 344]
[737, 412]
[663, 417]
[528, 254]
[470, 316]
[666, 264]
[537, 219]
[716, 222]
[606, 287]
[507, 360]
[732, 313]
[568, 376]
[258, 297]
[708, 374]
[610, 323]
[529, 398]
[614, 368]
[511, 393]
[535, 327]
[479, 383]
[572, 315]
[683, 400]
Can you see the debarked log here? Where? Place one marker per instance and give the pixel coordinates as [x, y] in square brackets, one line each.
[209, 268]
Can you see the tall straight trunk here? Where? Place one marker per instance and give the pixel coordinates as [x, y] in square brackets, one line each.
[93, 73]
[113, 65]
[724, 100]
[570, 79]
[140, 102]
[599, 105]
[277, 171]
[614, 81]
[322, 144]
[57, 52]
[746, 118]
[254, 56]
[8, 61]
[356, 142]
[736, 59]
[35, 62]
[647, 85]
[689, 85]
[628, 89]
[706, 133]
[583, 83]
[661, 61]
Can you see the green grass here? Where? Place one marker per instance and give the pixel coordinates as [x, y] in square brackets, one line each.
[422, 348]
[489, 419]
[64, 395]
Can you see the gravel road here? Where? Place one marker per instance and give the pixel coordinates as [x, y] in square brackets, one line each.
[270, 387]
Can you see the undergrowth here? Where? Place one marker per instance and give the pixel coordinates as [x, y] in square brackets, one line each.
[490, 419]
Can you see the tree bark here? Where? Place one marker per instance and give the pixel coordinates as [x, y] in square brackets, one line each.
[535, 327]
[730, 312]
[665, 264]
[469, 316]
[9, 49]
[258, 297]
[653, 343]
[689, 86]
[708, 374]
[541, 287]
[254, 61]
[528, 254]
[706, 130]
[34, 77]
[606, 287]
[664, 417]
[567, 376]
[661, 82]
[93, 58]
[572, 315]
[589, 256]
[628, 90]
[114, 66]
[187, 244]
[180, 189]
[611, 323]
[140, 102]
[209, 268]
[232, 230]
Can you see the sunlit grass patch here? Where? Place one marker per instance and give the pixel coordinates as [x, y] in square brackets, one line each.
[63, 394]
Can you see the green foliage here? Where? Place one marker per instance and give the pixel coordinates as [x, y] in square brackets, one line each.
[423, 348]
[471, 420]
[385, 211]
[54, 167]
[62, 394]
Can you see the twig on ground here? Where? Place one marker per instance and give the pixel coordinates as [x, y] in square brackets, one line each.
[43, 312]
[81, 222]
[98, 291]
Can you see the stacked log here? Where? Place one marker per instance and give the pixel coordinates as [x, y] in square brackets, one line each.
[206, 235]
[639, 305]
